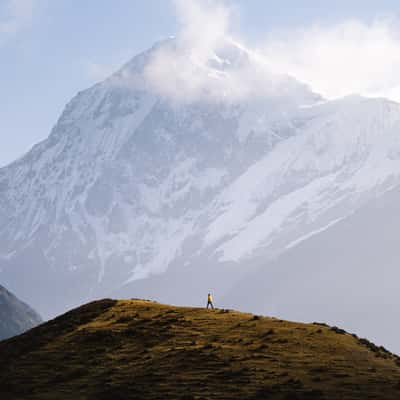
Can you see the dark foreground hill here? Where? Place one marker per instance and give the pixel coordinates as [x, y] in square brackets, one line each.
[137, 349]
[15, 316]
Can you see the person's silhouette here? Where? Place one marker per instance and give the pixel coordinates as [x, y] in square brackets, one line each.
[210, 301]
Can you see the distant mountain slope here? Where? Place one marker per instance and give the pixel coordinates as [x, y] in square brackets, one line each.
[15, 316]
[347, 274]
[143, 350]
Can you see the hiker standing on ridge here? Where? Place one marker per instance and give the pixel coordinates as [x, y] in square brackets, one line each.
[210, 301]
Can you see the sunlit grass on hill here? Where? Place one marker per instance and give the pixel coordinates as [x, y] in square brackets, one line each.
[135, 349]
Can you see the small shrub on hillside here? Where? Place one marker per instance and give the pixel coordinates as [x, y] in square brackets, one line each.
[371, 346]
[321, 324]
[337, 330]
[379, 351]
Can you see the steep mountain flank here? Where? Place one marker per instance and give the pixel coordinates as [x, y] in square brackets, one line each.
[136, 349]
[15, 316]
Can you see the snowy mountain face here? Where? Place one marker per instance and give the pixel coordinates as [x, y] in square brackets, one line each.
[16, 317]
[135, 193]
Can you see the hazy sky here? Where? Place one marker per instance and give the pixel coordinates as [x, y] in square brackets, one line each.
[51, 49]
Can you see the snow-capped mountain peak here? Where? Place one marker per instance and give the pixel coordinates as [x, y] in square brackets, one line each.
[183, 159]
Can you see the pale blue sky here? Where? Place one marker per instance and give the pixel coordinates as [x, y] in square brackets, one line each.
[51, 49]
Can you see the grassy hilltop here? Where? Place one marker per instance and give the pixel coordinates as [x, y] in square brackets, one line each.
[134, 349]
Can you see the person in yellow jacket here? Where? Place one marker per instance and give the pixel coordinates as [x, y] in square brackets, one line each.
[210, 301]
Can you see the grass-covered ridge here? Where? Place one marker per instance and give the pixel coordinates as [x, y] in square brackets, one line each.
[135, 349]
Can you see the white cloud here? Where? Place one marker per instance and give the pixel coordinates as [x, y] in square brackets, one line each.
[179, 71]
[15, 15]
[204, 23]
[336, 60]
[205, 62]
[349, 57]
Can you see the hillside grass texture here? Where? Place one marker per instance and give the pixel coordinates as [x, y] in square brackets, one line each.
[136, 349]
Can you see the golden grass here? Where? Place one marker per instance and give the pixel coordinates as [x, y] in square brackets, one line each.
[135, 349]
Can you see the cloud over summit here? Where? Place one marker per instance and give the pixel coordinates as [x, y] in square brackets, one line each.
[334, 60]
[341, 59]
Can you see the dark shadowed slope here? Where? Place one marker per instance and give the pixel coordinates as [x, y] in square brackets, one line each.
[15, 316]
[136, 349]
